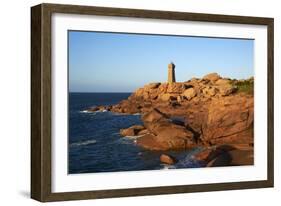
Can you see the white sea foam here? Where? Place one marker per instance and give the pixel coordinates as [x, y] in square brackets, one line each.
[99, 111]
[88, 112]
[129, 139]
[167, 167]
[93, 112]
[133, 137]
[83, 143]
[85, 111]
[118, 114]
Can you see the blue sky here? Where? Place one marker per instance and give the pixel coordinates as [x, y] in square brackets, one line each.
[115, 62]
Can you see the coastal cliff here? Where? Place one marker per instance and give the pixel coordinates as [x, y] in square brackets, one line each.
[214, 113]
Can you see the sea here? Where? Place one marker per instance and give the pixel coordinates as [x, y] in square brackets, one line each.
[95, 145]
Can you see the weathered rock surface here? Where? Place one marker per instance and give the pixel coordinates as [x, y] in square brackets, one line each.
[189, 93]
[230, 121]
[226, 155]
[164, 133]
[133, 130]
[175, 88]
[153, 85]
[212, 110]
[212, 77]
[175, 94]
[167, 159]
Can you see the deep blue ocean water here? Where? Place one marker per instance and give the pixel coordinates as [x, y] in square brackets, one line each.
[95, 144]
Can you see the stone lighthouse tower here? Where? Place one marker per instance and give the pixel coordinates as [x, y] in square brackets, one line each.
[171, 73]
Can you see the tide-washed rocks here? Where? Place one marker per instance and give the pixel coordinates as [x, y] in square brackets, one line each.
[220, 121]
[168, 159]
[150, 142]
[233, 158]
[153, 116]
[213, 110]
[226, 155]
[133, 131]
[126, 107]
[101, 108]
[143, 132]
[164, 134]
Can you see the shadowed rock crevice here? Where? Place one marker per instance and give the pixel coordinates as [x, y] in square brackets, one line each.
[196, 135]
[226, 155]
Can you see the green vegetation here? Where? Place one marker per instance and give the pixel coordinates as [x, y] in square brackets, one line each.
[244, 86]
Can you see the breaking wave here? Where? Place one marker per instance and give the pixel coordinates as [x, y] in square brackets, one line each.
[83, 143]
[93, 112]
[85, 111]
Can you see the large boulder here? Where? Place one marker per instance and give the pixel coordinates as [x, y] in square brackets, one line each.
[167, 97]
[126, 106]
[226, 155]
[189, 93]
[153, 94]
[168, 159]
[230, 120]
[175, 87]
[153, 142]
[227, 89]
[167, 130]
[153, 116]
[162, 88]
[223, 82]
[143, 132]
[148, 92]
[150, 142]
[153, 85]
[132, 131]
[164, 133]
[209, 91]
[213, 77]
[233, 157]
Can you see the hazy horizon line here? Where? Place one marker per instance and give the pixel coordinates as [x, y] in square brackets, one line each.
[145, 84]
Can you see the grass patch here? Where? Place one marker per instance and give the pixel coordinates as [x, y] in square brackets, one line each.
[244, 86]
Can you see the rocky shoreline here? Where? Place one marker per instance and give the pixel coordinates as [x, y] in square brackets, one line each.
[214, 113]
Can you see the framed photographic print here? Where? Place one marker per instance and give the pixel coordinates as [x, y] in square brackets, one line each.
[129, 102]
